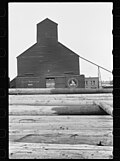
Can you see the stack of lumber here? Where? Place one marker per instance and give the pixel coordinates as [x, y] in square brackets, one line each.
[57, 127]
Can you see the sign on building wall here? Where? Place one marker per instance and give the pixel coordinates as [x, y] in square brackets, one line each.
[72, 83]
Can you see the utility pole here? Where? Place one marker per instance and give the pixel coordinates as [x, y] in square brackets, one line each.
[99, 74]
[99, 78]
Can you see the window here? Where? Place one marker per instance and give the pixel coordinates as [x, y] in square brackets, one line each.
[86, 82]
[93, 82]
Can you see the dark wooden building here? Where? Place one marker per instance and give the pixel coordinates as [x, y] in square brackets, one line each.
[48, 63]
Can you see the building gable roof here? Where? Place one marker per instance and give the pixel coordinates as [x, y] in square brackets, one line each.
[35, 46]
[47, 20]
[29, 49]
[70, 51]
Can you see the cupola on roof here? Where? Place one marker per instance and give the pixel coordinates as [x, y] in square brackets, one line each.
[47, 33]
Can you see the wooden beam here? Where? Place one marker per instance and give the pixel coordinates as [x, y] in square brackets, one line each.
[61, 136]
[101, 95]
[32, 91]
[106, 107]
[58, 151]
[66, 118]
[61, 125]
[62, 129]
[57, 99]
[66, 96]
[82, 109]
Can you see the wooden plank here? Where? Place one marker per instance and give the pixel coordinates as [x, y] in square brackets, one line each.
[85, 132]
[60, 122]
[91, 137]
[89, 109]
[40, 100]
[54, 102]
[58, 151]
[106, 107]
[58, 91]
[68, 118]
[56, 126]
[60, 146]
[79, 91]
[29, 90]
[62, 129]
[66, 96]
[101, 95]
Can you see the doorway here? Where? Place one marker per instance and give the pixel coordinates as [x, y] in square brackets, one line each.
[50, 82]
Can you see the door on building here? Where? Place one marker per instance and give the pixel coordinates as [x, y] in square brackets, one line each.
[50, 82]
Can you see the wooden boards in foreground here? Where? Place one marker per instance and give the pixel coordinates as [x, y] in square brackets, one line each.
[60, 137]
[31, 110]
[32, 91]
[80, 104]
[62, 129]
[58, 151]
[39, 130]
[106, 107]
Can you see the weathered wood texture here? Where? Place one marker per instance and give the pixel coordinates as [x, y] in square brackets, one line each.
[58, 99]
[58, 151]
[68, 129]
[106, 107]
[57, 104]
[57, 91]
[56, 110]
[32, 134]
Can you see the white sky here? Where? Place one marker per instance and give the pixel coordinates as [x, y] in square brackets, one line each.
[85, 28]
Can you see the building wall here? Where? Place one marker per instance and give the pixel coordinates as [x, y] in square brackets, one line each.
[30, 82]
[60, 82]
[92, 82]
[40, 82]
[46, 58]
[47, 34]
[47, 61]
[13, 83]
[80, 81]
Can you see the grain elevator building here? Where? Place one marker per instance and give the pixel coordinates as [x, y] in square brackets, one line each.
[48, 63]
